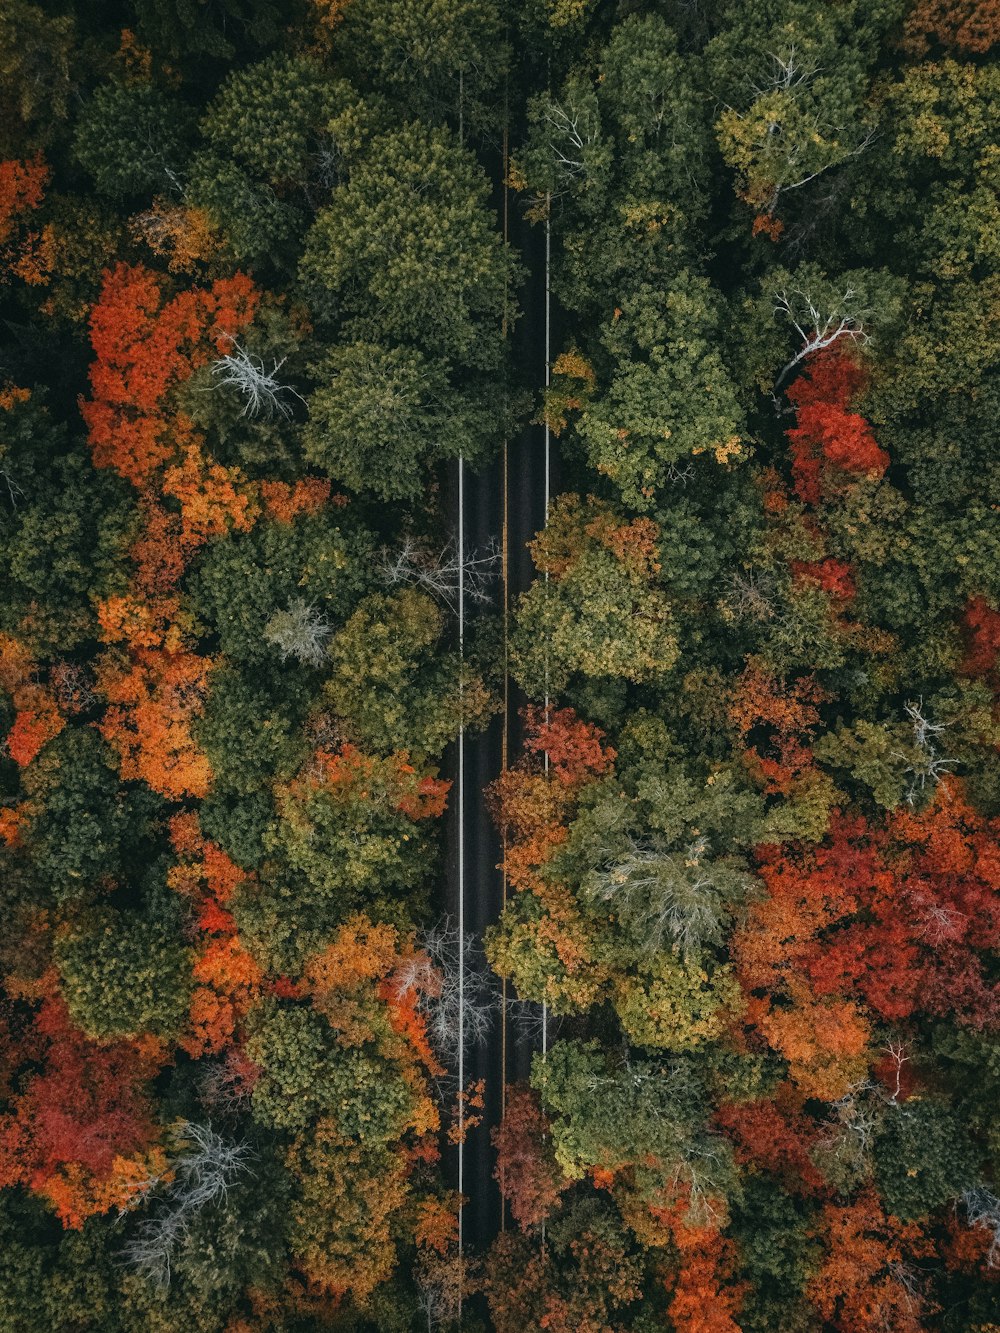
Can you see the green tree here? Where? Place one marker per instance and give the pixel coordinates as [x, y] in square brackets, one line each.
[599, 613]
[393, 681]
[270, 117]
[126, 973]
[243, 579]
[133, 138]
[669, 396]
[80, 828]
[437, 59]
[408, 250]
[382, 415]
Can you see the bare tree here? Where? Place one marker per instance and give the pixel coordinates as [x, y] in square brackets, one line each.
[751, 595]
[532, 1020]
[260, 389]
[444, 572]
[454, 989]
[926, 764]
[301, 631]
[982, 1208]
[14, 492]
[203, 1170]
[572, 129]
[819, 327]
[440, 1282]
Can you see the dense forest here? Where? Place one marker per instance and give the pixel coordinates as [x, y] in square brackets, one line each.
[260, 296]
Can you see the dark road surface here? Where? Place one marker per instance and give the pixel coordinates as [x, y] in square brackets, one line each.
[513, 487]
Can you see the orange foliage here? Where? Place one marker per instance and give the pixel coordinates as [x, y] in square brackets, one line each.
[787, 713]
[182, 235]
[878, 922]
[705, 1298]
[153, 700]
[436, 1226]
[145, 345]
[967, 26]
[284, 502]
[573, 522]
[74, 1193]
[859, 1287]
[228, 980]
[22, 188]
[348, 773]
[211, 503]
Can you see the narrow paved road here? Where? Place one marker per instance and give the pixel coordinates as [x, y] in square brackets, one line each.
[505, 504]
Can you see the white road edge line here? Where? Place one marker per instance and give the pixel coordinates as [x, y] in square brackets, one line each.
[548, 379]
[461, 845]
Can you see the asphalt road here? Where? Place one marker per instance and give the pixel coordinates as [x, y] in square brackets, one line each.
[503, 504]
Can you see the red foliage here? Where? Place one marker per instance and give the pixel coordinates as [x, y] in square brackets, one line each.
[31, 730]
[773, 1134]
[982, 628]
[38, 718]
[85, 1107]
[877, 922]
[833, 576]
[22, 187]
[529, 1176]
[828, 437]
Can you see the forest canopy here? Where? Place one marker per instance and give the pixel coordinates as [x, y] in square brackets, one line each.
[692, 313]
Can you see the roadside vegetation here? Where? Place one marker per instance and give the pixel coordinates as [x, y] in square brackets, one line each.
[256, 302]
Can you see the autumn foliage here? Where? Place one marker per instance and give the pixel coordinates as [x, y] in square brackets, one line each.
[146, 342]
[830, 440]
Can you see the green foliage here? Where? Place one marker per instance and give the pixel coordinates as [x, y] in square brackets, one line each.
[243, 579]
[777, 1255]
[394, 683]
[308, 1074]
[125, 973]
[923, 1158]
[407, 249]
[132, 138]
[80, 822]
[189, 31]
[269, 117]
[793, 81]
[933, 179]
[438, 59]
[640, 1116]
[670, 396]
[36, 75]
[383, 415]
